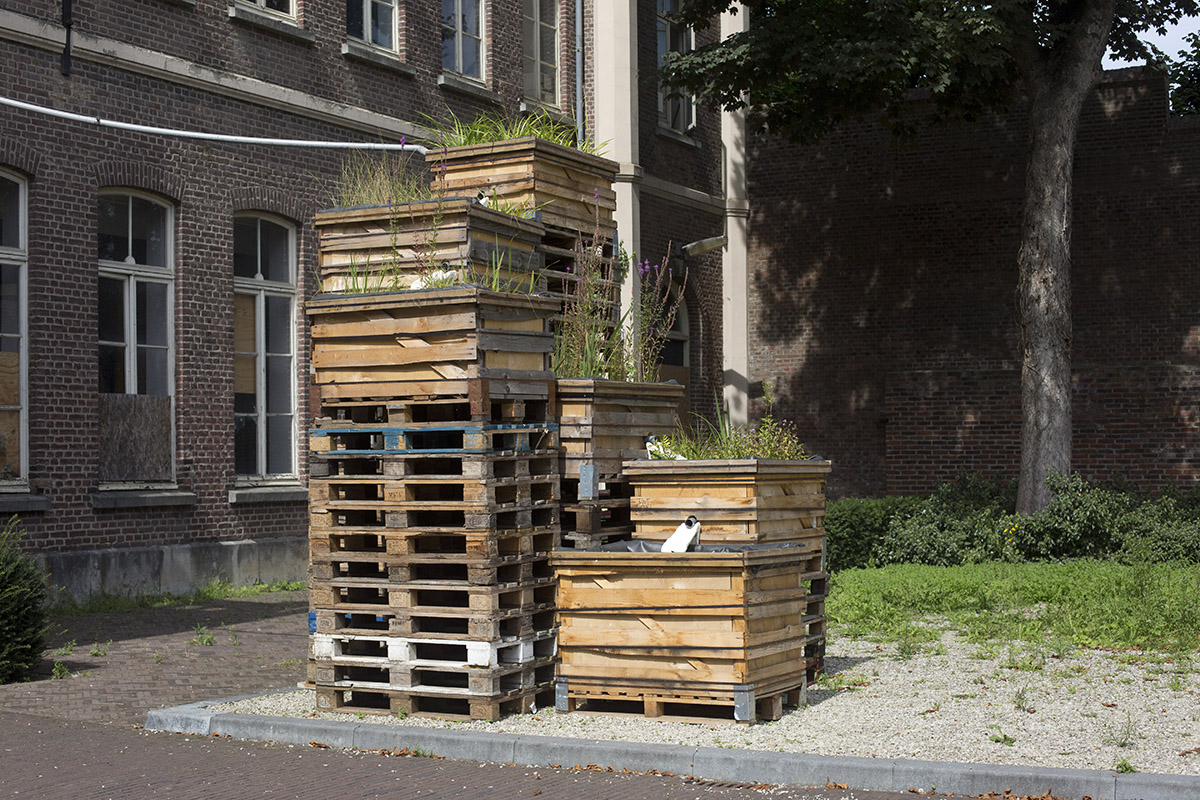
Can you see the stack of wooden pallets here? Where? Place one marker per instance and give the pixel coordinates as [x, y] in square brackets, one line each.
[434, 503]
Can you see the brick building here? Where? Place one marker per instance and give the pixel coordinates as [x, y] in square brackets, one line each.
[153, 347]
[885, 309]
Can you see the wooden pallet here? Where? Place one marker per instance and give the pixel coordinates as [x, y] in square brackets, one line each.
[741, 706]
[478, 406]
[330, 649]
[431, 569]
[372, 595]
[379, 345]
[390, 246]
[366, 516]
[452, 544]
[506, 626]
[434, 492]
[477, 466]
[481, 393]
[362, 440]
[420, 703]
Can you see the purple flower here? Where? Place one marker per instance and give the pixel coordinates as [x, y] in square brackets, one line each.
[403, 141]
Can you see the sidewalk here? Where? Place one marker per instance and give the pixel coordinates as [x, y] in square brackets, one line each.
[124, 665]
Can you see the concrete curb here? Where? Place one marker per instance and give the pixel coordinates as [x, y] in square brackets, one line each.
[718, 764]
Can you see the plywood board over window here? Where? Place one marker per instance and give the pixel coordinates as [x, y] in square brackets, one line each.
[135, 438]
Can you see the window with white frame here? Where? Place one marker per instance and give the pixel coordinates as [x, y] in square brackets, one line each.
[136, 284]
[135, 333]
[462, 37]
[286, 8]
[14, 262]
[540, 19]
[675, 107]
[372, 21]
[264, 406]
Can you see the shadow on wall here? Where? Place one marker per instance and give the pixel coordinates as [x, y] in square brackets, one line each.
[883, 278]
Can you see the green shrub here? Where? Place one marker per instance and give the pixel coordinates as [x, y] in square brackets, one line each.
[855, 525]
[972, 520]
[22, 607]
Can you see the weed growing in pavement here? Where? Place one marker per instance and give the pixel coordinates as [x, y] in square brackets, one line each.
[1125, 734]
[203, 636]
[1124, 766]
[1000, 737]
[60, 671]
[66, 650]
[158, 658]
[217, 589]
[99, 650]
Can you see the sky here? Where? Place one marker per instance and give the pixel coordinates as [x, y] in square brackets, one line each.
[1170, 44]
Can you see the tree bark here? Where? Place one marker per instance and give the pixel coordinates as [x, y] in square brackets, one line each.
[1058, 86]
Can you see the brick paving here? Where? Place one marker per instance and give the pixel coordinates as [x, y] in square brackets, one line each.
[81, 736]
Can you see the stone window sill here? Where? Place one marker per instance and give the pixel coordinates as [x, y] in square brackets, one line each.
[290, 493]
[18, 502]
[147, 498]
[456, 83]
[532, 107]
[677, 136]
[252, 16]
[359, 51]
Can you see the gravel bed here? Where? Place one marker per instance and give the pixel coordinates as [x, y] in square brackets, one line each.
[955, 701]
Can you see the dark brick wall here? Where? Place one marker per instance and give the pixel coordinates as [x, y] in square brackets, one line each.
[68, 163]
[882, 295]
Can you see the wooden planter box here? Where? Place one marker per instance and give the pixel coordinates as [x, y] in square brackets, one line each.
[696, 629]
[400, 344]
[569, 189]
[396, 243]
[604, 423]
[747, 501]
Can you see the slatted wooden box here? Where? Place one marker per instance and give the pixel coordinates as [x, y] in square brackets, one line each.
[698, 628]
[603, 423]
[395, 343]
[745, 501]
[568, 188]
[387, 248]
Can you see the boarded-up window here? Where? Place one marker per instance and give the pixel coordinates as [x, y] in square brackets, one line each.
[134, 332]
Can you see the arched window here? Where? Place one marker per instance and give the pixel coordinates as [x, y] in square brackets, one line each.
[264, 364]
[136, 340]
[14, 265]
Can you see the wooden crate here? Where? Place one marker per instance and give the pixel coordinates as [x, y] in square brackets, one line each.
[604, 423]
[390, 247]
[567, 188]
[397, 343]
[748, 501]
[716, 628]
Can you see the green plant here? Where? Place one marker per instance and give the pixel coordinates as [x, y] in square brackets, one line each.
[1021, 700]
[23, 628]
[494, 128]
[587, 339]
[1000, 737]
[1124, 766]
[771, 438]
[158, 658]
[203, 636]
[67, 649]
[216, 589]
[1125, 734]
[100, 650]
[373, 178]
[59, 671]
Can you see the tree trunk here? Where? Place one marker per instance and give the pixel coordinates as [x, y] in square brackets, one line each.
[1057, 89]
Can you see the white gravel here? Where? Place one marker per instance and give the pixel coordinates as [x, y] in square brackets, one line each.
[956, 702]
